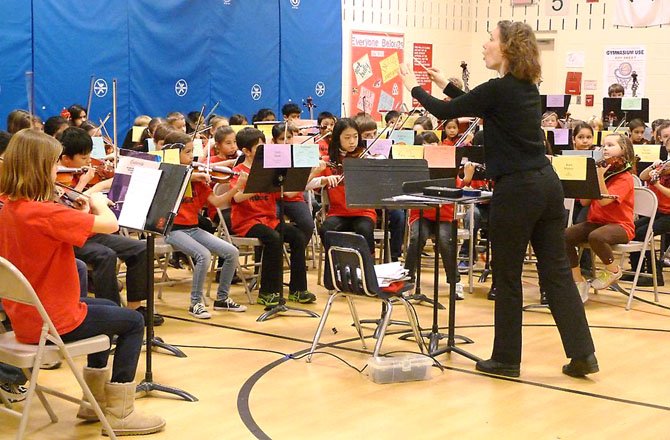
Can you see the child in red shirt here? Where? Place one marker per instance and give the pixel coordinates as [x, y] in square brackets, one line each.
[255, 215]
[197, 243]
[37, 236]
[610, 221]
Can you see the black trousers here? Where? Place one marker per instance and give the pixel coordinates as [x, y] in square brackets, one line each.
[528, 206]
[273, 258]
[101, 251]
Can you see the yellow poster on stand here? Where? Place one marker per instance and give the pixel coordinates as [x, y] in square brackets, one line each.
[570, 167]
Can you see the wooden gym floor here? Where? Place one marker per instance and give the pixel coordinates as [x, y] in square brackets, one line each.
[245, 392]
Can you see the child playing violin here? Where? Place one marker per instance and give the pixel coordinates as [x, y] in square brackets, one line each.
[225, 147]
[197, 243]
[610, 220]
[550, 120]
[344, 143]
[295, 206]
[582, 136]
[451, 132]
[37, 236]
[637, 128]
[255, 215]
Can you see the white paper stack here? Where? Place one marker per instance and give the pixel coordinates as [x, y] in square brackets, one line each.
[390, 272]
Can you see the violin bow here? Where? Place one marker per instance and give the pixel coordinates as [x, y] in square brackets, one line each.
[211, 112]
[470, 129]
[30, 90]
[114, 126]
[90, 96]
[197, 123]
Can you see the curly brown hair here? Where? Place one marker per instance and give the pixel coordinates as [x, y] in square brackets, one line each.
[519, 47]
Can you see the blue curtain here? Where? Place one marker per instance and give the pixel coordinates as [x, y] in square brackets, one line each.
[15, 45]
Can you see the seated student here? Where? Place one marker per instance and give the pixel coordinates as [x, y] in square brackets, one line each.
[582, 136]
[78, 115]
[345, 141]
[264, 115]
[199, 244]
[295, 206]
[138, 145]
[391, 118]
[326, 121]
[176, 121]
[17, 120]
[659, 183]
[366, 126]
[451, 136]
[426, 138]
[550, 120]
[225, 147]
[610, 221]
[102, 250]
[615, 90]
[636, 129]
[654, 130]
[291, 112]
[37, 236]
[423, 123]
[238, 119]
[160, 134]
[77, 148]
[596, 124]
[55, 125]
[255, 215]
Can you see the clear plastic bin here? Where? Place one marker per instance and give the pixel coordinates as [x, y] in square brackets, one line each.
[399, 369]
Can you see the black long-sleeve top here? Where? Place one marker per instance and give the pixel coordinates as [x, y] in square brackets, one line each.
[511, 111]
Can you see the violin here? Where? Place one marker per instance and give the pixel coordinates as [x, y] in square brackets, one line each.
[219, 173]
[617, 165]
[660, 170]
[103, 170]
[69, 197]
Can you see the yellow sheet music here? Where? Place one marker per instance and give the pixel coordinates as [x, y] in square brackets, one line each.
[407, 152]
[137, 133]
[570, 167]
[647, 153]
[237, 128]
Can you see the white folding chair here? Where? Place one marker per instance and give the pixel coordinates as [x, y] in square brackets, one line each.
[15, 287]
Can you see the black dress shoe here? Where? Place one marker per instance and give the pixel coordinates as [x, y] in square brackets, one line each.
[158, 319]
[580, 367]
[491, 296]
[501, 369]
[543, 298]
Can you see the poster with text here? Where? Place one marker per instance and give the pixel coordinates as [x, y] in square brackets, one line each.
[422, 58]
[376, 86]
[626, 65]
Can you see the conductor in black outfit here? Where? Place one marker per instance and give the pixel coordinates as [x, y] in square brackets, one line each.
[527, 202]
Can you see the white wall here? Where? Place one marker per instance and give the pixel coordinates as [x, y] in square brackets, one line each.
[458, 28]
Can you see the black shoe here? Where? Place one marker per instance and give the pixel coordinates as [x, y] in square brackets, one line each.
[543, 298]
[580, 367]
[501, 369]
[158, 319]
[643, 281]
[492, 294]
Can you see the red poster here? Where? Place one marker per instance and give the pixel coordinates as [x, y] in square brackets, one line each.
[573, 83]
[376, 86]
[423, 57]
[589, 101]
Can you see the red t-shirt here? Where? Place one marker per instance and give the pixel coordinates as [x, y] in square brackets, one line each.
[191, 206]
[620, 211]
[663, 200]
[446, 214]
[323, 148]
[260, 209]
[338, 202]
[38, 238]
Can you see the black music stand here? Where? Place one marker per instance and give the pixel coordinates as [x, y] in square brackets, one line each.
[271, 180]
[560, 110]
[434, 336]
[558, 149]
[389, 175]
[614, 105]
[163, 209]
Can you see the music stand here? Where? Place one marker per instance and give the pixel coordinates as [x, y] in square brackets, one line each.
[434, 335]
[614, 105]
[390, 176]
[271, 180]
[583, 189]
[560, 110]
[558, 149]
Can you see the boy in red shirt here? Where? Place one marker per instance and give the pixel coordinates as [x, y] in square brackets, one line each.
[255, 215]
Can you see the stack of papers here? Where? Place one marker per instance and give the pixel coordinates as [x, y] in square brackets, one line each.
[389, 273]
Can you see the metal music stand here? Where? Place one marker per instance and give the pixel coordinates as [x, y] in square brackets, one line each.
[271, 180]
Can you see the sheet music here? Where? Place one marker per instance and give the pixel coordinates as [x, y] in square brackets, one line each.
[141, 190]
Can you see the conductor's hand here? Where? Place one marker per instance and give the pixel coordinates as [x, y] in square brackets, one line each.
[437, 77]
[408, 78]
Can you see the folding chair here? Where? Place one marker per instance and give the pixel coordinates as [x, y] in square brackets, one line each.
[353, 276]
[15, 287]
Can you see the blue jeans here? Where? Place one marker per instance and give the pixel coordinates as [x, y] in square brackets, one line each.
[82, 271]
[427, 228]
[197, 244]
[104, 317]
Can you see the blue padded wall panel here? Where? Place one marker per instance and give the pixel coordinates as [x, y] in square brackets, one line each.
[311, 54]
[16, 50]
[74, 40]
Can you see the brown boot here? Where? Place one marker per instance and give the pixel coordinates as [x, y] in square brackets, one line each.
[121, 413]
[95, 378]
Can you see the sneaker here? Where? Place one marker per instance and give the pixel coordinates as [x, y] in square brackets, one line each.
[459, 291]
[605, 279]
[583, 288]
[268, 299]
[463, 267]
[12, 392]
[199, 311]
[229, 305]
[302, 297]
